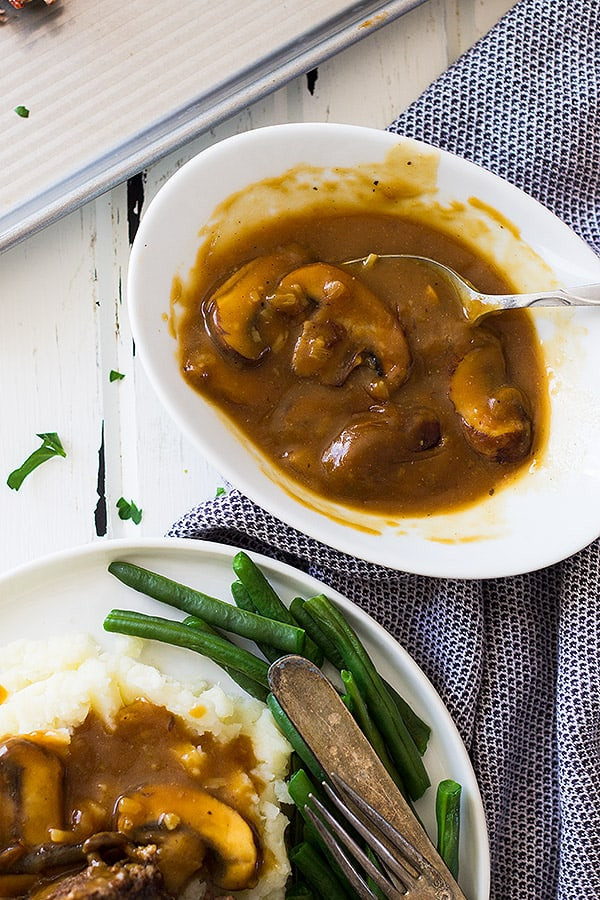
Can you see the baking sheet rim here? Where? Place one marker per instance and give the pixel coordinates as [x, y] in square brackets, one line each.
[184, 125]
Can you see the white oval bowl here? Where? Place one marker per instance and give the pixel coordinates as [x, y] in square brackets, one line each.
[545, 515]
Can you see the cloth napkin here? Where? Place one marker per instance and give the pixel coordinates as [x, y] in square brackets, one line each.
[516, 660]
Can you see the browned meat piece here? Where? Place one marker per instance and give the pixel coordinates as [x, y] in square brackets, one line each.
[131, 880]
[495, 415]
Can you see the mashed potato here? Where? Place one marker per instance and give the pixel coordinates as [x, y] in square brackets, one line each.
[53, 685]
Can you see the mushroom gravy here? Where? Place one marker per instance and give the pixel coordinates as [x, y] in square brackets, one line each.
[364, 384]
[146, 781]
[70, 695]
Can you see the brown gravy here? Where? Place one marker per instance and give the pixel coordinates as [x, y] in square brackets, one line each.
[435, 437]
[149, 778]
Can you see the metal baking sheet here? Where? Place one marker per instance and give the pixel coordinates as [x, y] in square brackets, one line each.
[113, 85]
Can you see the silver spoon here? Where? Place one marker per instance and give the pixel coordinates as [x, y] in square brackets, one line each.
[476, 304]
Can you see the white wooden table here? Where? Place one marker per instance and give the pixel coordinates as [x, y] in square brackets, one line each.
[64, 323]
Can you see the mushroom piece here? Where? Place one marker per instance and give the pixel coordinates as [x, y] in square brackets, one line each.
[31, 792]
[16, 885]
[103, 846]
[22, 860]
[373, 441]
[350, 327]
[495, 415]
[237, 314]
[171, 811]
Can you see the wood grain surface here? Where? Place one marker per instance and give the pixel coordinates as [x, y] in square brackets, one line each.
[64, 323]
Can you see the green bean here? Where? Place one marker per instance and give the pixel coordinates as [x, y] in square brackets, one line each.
[200, 625]
[400, 744]
[301, 891]
[419, 730]
[447, 813]
[288, 638]
[317, 871]
[348, 702]
[266, 600]
[264, 596]
[256, 690]
[214, 647]
[371, 883]
[304, 619]
[362, 715]
[243, 600]
[296, 740]
[300, 787]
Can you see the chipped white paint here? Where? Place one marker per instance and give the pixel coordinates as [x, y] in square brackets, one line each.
[64, 318]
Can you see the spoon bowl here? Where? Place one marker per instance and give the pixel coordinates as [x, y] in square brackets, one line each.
[475, 304]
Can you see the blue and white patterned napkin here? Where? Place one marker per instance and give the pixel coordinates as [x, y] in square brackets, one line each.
[516, 660]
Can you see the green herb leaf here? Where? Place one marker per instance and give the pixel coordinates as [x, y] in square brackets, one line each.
[51, 446]
[22, 111]
[220, 491]
[128, 510]
[115, 376]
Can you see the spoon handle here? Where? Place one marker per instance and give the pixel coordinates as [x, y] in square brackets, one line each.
[582, 295]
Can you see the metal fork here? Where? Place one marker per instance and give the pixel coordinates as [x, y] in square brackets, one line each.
[361, 789]
[415, 877]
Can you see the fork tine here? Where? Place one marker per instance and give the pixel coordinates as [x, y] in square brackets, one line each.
[355, 880]
[398, 841]
[357, 852]
[395, 864]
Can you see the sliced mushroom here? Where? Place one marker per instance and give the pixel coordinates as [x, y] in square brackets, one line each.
[381, 437]
[16, 885]
[172, 811]
[237, 314]
[350, 327]
[495, 415]
[31, 791]
[43, 858]
[105, 844]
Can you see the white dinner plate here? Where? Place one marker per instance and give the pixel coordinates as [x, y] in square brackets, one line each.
[72, 592]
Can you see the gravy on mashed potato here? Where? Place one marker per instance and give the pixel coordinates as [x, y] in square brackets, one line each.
[117, 781]
[365, 384]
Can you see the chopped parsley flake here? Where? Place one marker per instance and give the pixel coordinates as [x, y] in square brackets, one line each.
[51, 446]
[22, 111]
[115, 376]
[128, 510]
